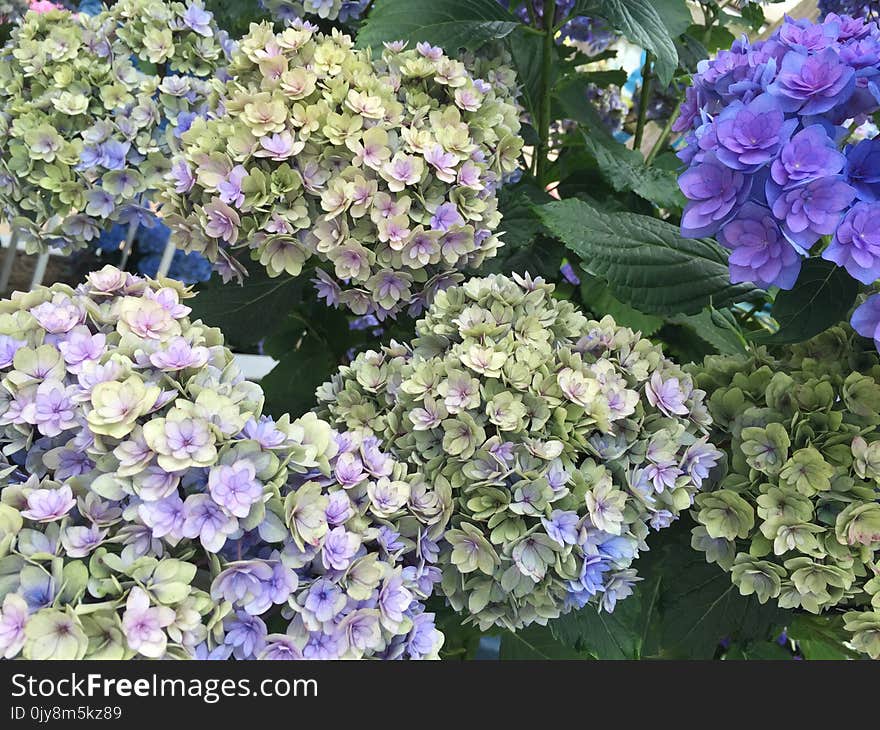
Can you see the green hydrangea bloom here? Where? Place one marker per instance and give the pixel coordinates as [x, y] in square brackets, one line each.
[562, 439]
[796, 515]
[382, 168]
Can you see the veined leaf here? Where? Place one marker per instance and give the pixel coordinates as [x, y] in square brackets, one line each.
[645, 260]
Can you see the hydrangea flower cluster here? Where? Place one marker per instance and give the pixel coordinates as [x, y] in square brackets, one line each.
[796, 516]
[76, 131]
[769, 168]
[288, 11]
[149, 509]
[561, 439]
[385, 170]
[183, 42]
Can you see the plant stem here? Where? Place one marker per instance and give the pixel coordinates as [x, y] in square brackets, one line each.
[664, 135]
[644, 98]
[544, 112]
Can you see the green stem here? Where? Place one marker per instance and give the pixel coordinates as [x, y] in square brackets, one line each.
[664, 136]
[644, 98]
[544, 111]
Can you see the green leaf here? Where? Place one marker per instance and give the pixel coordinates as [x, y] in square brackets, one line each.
[520, 223]
[621, 634]
[572, 102]
[759, 650]
[753, 15]
[697, 605]
[645, 260]
[451, 24]
[642, 22]
[290, 386]
[598, 297]
[718, 328]
[536, 642]
[675, 14]
[625, 170]
[820, 299]
[717, 38]
[609, 77]
[821, 637]
[240, 310]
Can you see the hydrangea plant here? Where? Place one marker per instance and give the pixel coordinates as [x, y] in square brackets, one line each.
[384, 170]
[795, 516]
[772, 169]
[76, 131]
[561, 439]
[148, 508]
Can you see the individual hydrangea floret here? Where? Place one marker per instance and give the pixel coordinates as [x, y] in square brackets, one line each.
[795, 517]
[381, 170]
[775, 166]
[149, 509]
[562, 440]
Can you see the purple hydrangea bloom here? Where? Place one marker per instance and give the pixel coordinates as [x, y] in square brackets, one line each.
[810, 211]
[48, 505]
[714, 192]
[562, 526]
[812, 84]
[856, 243]
[759, 253]
[235, 487]
[751, 135]
[866, 319]
[809, 155]
[667, 395]
[863, 168]
[778, 113]
[198, 19]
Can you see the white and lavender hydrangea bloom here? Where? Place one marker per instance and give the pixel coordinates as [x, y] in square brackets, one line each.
[795, 514]
[318, 158]
[561, 439]
[354, 564]
[773, 168]
[139, 462]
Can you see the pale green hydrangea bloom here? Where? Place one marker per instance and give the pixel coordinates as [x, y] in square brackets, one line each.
[562, 439]
[382, 168]
[795, 517]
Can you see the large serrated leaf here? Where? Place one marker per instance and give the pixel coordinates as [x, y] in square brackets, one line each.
[645, 261]
[604, 635]
[642, 22]
[820, 299]
[451, 24]
[240, 310]
[625, 170]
